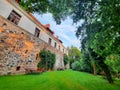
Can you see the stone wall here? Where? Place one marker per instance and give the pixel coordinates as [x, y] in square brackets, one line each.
[19, 49]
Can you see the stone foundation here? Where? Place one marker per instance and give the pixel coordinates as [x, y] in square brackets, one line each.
[19, 49]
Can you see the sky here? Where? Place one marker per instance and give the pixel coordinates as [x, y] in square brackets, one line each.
[65, 31]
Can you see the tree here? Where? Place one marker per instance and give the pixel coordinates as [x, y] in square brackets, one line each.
[39, 6]
[113, 61]
[74, 54]
[86, 62]
[76, 65]
[100, 31]
[60, 9]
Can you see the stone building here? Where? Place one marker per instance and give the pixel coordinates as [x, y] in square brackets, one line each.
[22, 37]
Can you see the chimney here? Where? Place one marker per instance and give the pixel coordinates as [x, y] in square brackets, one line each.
[18, 1]
[47, 25]
[57, 37]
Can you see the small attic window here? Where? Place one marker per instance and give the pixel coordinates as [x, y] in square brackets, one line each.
[59, 47]
[55, 45]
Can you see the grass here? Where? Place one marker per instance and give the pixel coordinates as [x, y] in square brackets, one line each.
[57, 80]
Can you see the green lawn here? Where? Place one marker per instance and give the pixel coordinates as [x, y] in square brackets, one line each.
[57, 80]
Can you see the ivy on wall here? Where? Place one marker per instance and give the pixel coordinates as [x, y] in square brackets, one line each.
[66, 59]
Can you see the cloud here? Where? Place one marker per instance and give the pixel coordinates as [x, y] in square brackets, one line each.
[65, 31]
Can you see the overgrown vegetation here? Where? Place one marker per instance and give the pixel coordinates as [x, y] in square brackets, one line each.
[47, 59]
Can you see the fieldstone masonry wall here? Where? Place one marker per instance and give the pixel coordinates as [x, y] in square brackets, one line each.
[19, 49]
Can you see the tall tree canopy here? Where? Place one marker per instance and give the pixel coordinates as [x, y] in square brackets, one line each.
[101, 29]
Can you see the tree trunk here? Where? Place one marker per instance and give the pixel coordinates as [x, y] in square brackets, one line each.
[100, 60]
[94, 68]
[46, 64]
[93, 64]
[107, 71]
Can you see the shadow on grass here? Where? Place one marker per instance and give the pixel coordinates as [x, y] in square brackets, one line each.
[34, 73]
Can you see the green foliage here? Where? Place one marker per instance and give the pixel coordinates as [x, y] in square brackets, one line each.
[100, 32]
[66, 59]
[86, 63]
[76, 65]
[74, 54]
[60, 9]
[39, 6]
[113, 61]
[47, 59]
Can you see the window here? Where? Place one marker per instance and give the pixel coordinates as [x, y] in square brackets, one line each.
[63, 50]
[55, 45]
[37, 56]
[26, 51]
[59, 47]
[37, 32]
[50, 40]
[14, 17]
[17, 68]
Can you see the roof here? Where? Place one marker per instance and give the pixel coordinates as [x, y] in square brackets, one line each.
[46, 27]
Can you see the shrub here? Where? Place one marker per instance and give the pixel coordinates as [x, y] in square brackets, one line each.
[76, 66]
[47, 59]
